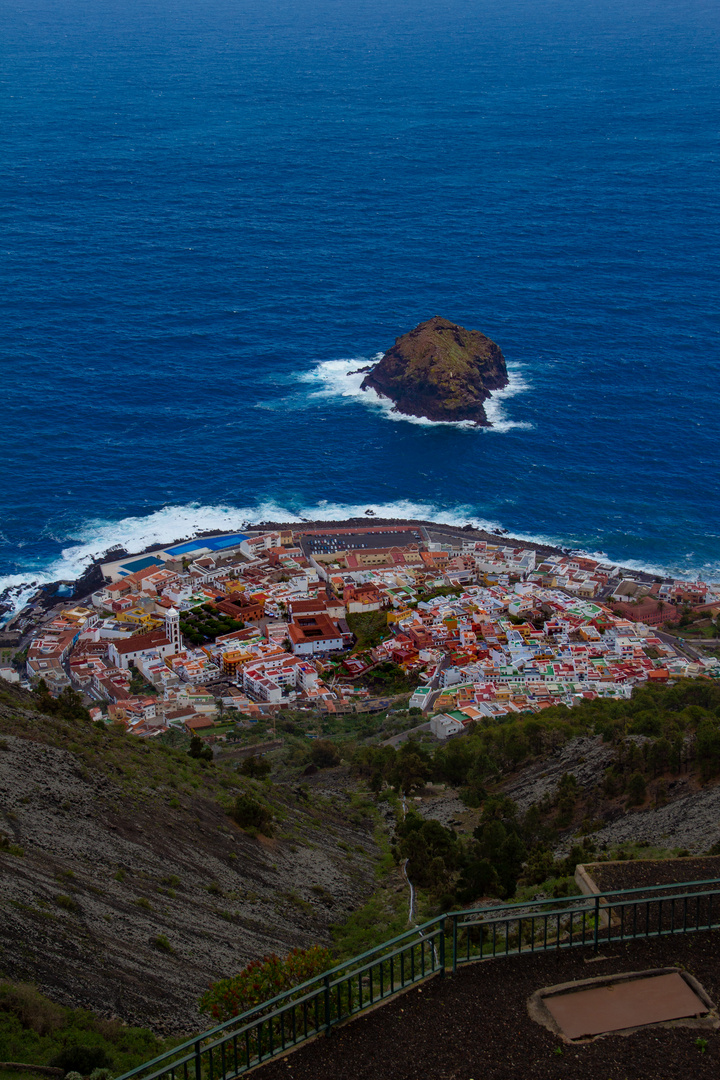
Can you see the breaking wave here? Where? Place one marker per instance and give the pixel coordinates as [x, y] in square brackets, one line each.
[344, 378]
[176, 523]
[95, 537]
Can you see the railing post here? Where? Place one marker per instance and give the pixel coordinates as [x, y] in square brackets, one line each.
[454, 939]
[198, 1064]
[596, 941]
[442, 948]
[327, 1004]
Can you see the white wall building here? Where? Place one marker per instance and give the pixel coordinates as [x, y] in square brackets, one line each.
[443, 726]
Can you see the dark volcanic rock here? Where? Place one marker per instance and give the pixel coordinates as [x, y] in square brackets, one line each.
[96, 867]
[440, 371]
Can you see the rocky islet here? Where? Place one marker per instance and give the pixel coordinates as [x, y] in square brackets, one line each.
[440, 371]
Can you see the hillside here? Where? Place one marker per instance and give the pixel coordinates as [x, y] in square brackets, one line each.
[514, 805]
[127, 888]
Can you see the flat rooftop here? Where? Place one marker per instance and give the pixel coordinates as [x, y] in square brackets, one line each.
[140, 564]
[353, 541]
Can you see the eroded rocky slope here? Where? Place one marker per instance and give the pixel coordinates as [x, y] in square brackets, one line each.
[135, 889]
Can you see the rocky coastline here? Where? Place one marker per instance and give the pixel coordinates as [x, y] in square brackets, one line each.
[92, 579]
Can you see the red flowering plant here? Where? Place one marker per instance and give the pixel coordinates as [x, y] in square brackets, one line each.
[263, 979]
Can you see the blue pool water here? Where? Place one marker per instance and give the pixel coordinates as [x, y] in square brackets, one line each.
[212, 210]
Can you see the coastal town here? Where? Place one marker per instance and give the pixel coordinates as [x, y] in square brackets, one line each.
[358, 619]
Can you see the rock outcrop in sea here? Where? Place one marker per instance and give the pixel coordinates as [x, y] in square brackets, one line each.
[440, 371]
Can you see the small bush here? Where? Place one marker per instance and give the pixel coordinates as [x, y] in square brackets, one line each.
[81, 1059]
[33, 1010]
[322, 893]
[6, 844]
[250, 814]
[255, 767]
[162, 944]
[66, 902]
[143, 902]
[263, 979]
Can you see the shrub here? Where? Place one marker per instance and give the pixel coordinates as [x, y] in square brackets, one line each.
[255, 767]
[262, 980]
[34, 1028]
[66, 902]
[81, 1059]
[6, 844]
[250, 814]
[33, 1010]
[324, 754]
[162, 944]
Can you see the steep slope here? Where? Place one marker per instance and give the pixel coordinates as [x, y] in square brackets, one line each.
[685, 816]
[126, 887]
[440, 371]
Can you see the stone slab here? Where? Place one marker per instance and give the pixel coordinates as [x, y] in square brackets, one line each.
[625, 1004]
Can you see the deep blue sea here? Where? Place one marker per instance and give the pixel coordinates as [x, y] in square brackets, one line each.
[212, 210]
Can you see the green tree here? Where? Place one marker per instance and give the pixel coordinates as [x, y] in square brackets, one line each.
[250, 814]
[707, 746]
[256, 767]
[411, 771]
[324, 754]
[432, 851]
[636, 789]
[198, 750]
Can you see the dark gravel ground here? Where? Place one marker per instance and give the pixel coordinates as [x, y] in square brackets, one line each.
[637, 873]
[475, 1026]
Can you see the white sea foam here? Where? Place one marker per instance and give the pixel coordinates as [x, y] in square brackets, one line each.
[344, 378]
[95, 537]
[494, 406]
[175, 523]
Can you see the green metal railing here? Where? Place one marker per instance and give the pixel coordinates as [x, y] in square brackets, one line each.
[622, 915]
[457, 938]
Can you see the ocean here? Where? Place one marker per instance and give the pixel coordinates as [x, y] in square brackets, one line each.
[213, 211]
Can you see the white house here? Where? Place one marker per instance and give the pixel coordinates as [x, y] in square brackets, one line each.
[443, 726]
[124, 653]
